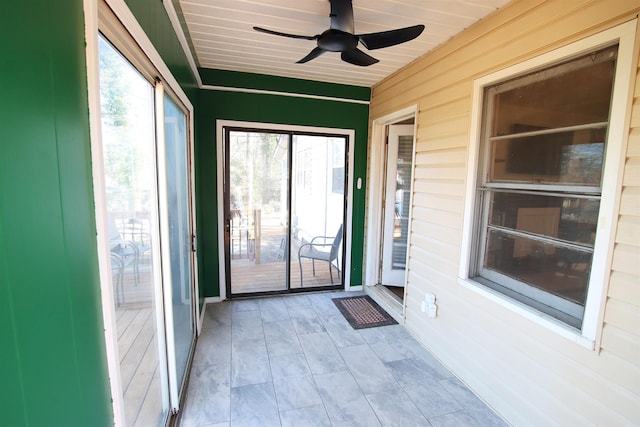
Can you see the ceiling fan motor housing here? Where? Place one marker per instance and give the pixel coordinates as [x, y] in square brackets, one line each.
[334, 40]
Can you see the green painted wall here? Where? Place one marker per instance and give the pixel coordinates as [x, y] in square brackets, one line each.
[216, 105]
[52, 357]
[153, 18]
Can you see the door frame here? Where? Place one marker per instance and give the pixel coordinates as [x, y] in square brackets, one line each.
[121, 28]
[274, 127]
[375, 193]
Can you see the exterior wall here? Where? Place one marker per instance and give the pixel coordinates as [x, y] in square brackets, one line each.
[53, 367]
[529, 374]
[268, 108]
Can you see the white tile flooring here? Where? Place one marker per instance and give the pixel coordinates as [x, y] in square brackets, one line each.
[295, 361]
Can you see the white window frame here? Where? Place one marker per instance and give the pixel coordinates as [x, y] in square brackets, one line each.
[614, 158]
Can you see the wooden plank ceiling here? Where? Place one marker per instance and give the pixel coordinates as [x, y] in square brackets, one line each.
[221, 34]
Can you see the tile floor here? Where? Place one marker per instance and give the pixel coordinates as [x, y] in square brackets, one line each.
[295, 361]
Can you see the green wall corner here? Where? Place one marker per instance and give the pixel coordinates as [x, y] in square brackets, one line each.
[53, 367]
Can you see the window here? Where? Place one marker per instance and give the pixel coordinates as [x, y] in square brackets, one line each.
[542, 153]
[548, 149]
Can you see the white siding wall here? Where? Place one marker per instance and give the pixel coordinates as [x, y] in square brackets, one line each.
[529, 374]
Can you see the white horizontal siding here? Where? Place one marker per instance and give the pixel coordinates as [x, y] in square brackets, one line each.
[529, 374]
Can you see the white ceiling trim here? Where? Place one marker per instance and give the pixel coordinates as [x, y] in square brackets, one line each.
[175, 23]
[289, 94]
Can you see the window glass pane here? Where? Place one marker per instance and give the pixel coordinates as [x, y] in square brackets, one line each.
[566, 218]
[563, 272]
[317, 210]
[128, 143]
[571, 158]
[573, 93]
[177, 175]
[258, 213]
[402, 201]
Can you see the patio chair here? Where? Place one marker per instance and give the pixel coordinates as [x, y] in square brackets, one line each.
[117, 273]
[123, 253]
[314, 251]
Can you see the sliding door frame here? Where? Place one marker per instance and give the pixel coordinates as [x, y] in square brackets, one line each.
[115, 21]
[283, 129]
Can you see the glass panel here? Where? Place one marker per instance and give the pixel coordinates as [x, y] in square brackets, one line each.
[128, 137]
[566, 218]
[560, 271]
[569, 158]
[556, 97]
[258, 210]
[177, 173]
[317, 210]
[402, 201]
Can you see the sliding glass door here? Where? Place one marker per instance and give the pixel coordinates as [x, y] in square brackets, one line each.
[317, 210]
[176, 202]
[128, 142]
[146, 176]
[284, 210]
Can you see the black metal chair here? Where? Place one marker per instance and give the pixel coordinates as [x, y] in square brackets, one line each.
[123, 253]
[313, 251]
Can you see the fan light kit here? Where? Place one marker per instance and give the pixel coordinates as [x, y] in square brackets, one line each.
[340, 37]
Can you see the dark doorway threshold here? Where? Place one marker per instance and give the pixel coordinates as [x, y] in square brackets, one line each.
[397, 291]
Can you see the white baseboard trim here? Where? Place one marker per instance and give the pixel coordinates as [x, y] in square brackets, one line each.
[354, 288]
[201, 320]
[211, 300]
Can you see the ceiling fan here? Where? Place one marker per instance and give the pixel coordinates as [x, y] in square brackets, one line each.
[340, 37]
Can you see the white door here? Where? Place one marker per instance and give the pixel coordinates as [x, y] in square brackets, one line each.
[397, 202]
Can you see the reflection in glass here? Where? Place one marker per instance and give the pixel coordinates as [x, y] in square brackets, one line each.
[128, 138]
[556, 97]
[573, 157]
[556, 269]
[177, 174]
[570, 219]
[402, 202]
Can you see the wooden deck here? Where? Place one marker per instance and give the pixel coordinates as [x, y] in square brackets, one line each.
[139, 373]
[248, 277]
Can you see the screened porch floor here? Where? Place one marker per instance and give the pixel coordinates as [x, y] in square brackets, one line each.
[294, 360]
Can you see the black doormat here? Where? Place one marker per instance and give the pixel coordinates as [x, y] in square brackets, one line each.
[363, 312]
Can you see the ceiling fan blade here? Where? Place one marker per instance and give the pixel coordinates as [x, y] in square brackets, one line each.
[278, 33]
[342, 16]
[390, 38]
[312, 55]
[358, 57]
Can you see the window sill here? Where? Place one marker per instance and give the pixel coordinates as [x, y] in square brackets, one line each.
[529, 313]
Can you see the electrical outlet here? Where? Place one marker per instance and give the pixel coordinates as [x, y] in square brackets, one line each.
[432, 311]
[429, 305]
